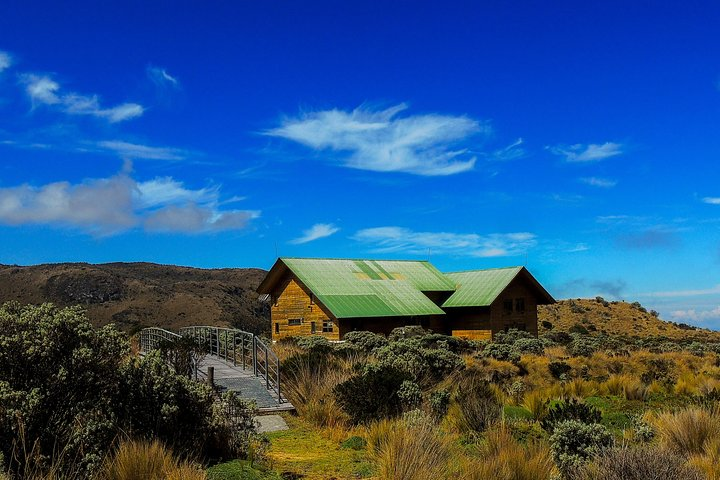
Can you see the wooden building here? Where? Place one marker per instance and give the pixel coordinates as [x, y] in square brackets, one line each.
[331, 297]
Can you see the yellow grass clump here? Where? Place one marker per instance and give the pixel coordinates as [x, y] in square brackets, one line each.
[688, 431]
[135, 460]
[501, 457]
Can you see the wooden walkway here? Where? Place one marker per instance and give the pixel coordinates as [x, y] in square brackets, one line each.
[244, 383]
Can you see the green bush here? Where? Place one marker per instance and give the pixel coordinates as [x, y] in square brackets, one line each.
[72, 390]
[408, 331]
[512, 336]
[366, 341]
[419, 363]
[570, 410]
[573, 443]
[558, 369]
[501, 351]
[314, 344]
[410, 395]
[372, 394]
[529, 345]
[439, 402]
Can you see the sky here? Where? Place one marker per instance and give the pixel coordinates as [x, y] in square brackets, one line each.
[581, 139]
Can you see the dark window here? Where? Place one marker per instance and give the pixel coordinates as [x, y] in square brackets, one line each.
[294, 321]
[277, 328]
[327, 326]
[507, 306]
[313, 327]
[520, 305]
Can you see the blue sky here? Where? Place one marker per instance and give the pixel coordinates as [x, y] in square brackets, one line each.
[581, 140]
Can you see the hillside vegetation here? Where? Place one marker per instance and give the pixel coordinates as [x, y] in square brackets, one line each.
[135, 295]
[597, 316]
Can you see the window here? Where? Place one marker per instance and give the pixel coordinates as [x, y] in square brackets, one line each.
[327, 326]
[520, 305]
[277, 328]
[507, 307]
[313, 327]
[294, 321]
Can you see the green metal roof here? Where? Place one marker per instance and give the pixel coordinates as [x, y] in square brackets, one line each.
[370, 288]
[479, 288]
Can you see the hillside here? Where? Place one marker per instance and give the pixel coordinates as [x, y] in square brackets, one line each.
[134, 295]
[617, 318]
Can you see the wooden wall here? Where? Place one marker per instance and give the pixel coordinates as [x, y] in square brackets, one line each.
[501, 320]
[292, 301]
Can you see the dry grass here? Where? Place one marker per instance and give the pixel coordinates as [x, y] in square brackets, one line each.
[638, 464]
[709, 461]
[139, 460]
[688, 431]
[409, 452]
[501, 457]
[536, 403]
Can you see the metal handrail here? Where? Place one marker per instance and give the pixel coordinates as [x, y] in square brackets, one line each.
[242, 349]
[151, 337]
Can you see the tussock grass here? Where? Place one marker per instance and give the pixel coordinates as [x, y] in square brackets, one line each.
[688, 431]
[409, 452]
[142, 460]
[501, 457]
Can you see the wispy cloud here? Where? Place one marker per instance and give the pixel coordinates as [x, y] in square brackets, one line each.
[683, 293]
[711, 200]
[398, 239]
[139, 151]
[160, 77]
[592, 152]
[382, 141]
[649, 239]
[317, 231]
[5, 61]
[696, 316]
[108, 206]
[43, 90]
[599, 182]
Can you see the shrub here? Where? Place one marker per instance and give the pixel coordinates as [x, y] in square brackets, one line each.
[573, 443]
[638, 464]
[558, 369]
[501, 351]
[578, 328]
[410, 395]
[582, 347]
[366, 341]
[529, 345]
[439, 402]
[570, 410]
[372, 394]
[408, 331]
[546, 325]
[512, 336]
[477, 404]
[419, 363]
[558, 337]
[688, 431]
[314, 344]
[182, 354]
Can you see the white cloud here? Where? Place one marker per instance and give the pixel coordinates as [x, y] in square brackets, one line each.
[317, 231]
[712, 200]
[43, 90]
[138, 151]
[599, 182]
[160, 77]
[587, 153]
[694, 315]
[684, 293]
[5, 61]
[112, 205]
[398, 239]
[383, 142]
[193, 218]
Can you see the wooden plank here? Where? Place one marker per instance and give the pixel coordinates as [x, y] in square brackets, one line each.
[292, 304]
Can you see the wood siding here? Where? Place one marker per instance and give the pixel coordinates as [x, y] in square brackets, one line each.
[501, 320]
[291, 301]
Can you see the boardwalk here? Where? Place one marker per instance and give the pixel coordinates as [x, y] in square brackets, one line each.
[242, 363]
[244, 382]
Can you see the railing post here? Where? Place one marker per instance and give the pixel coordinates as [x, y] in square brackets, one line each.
[242, 348]
[234, 337]
[277, 369]
[254, 355]
[267, 370]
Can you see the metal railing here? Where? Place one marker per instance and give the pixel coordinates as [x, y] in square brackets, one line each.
[152, 337]
[241, 349]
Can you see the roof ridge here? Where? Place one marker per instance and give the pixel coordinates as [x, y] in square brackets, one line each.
[483, 269]
[355, 259]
